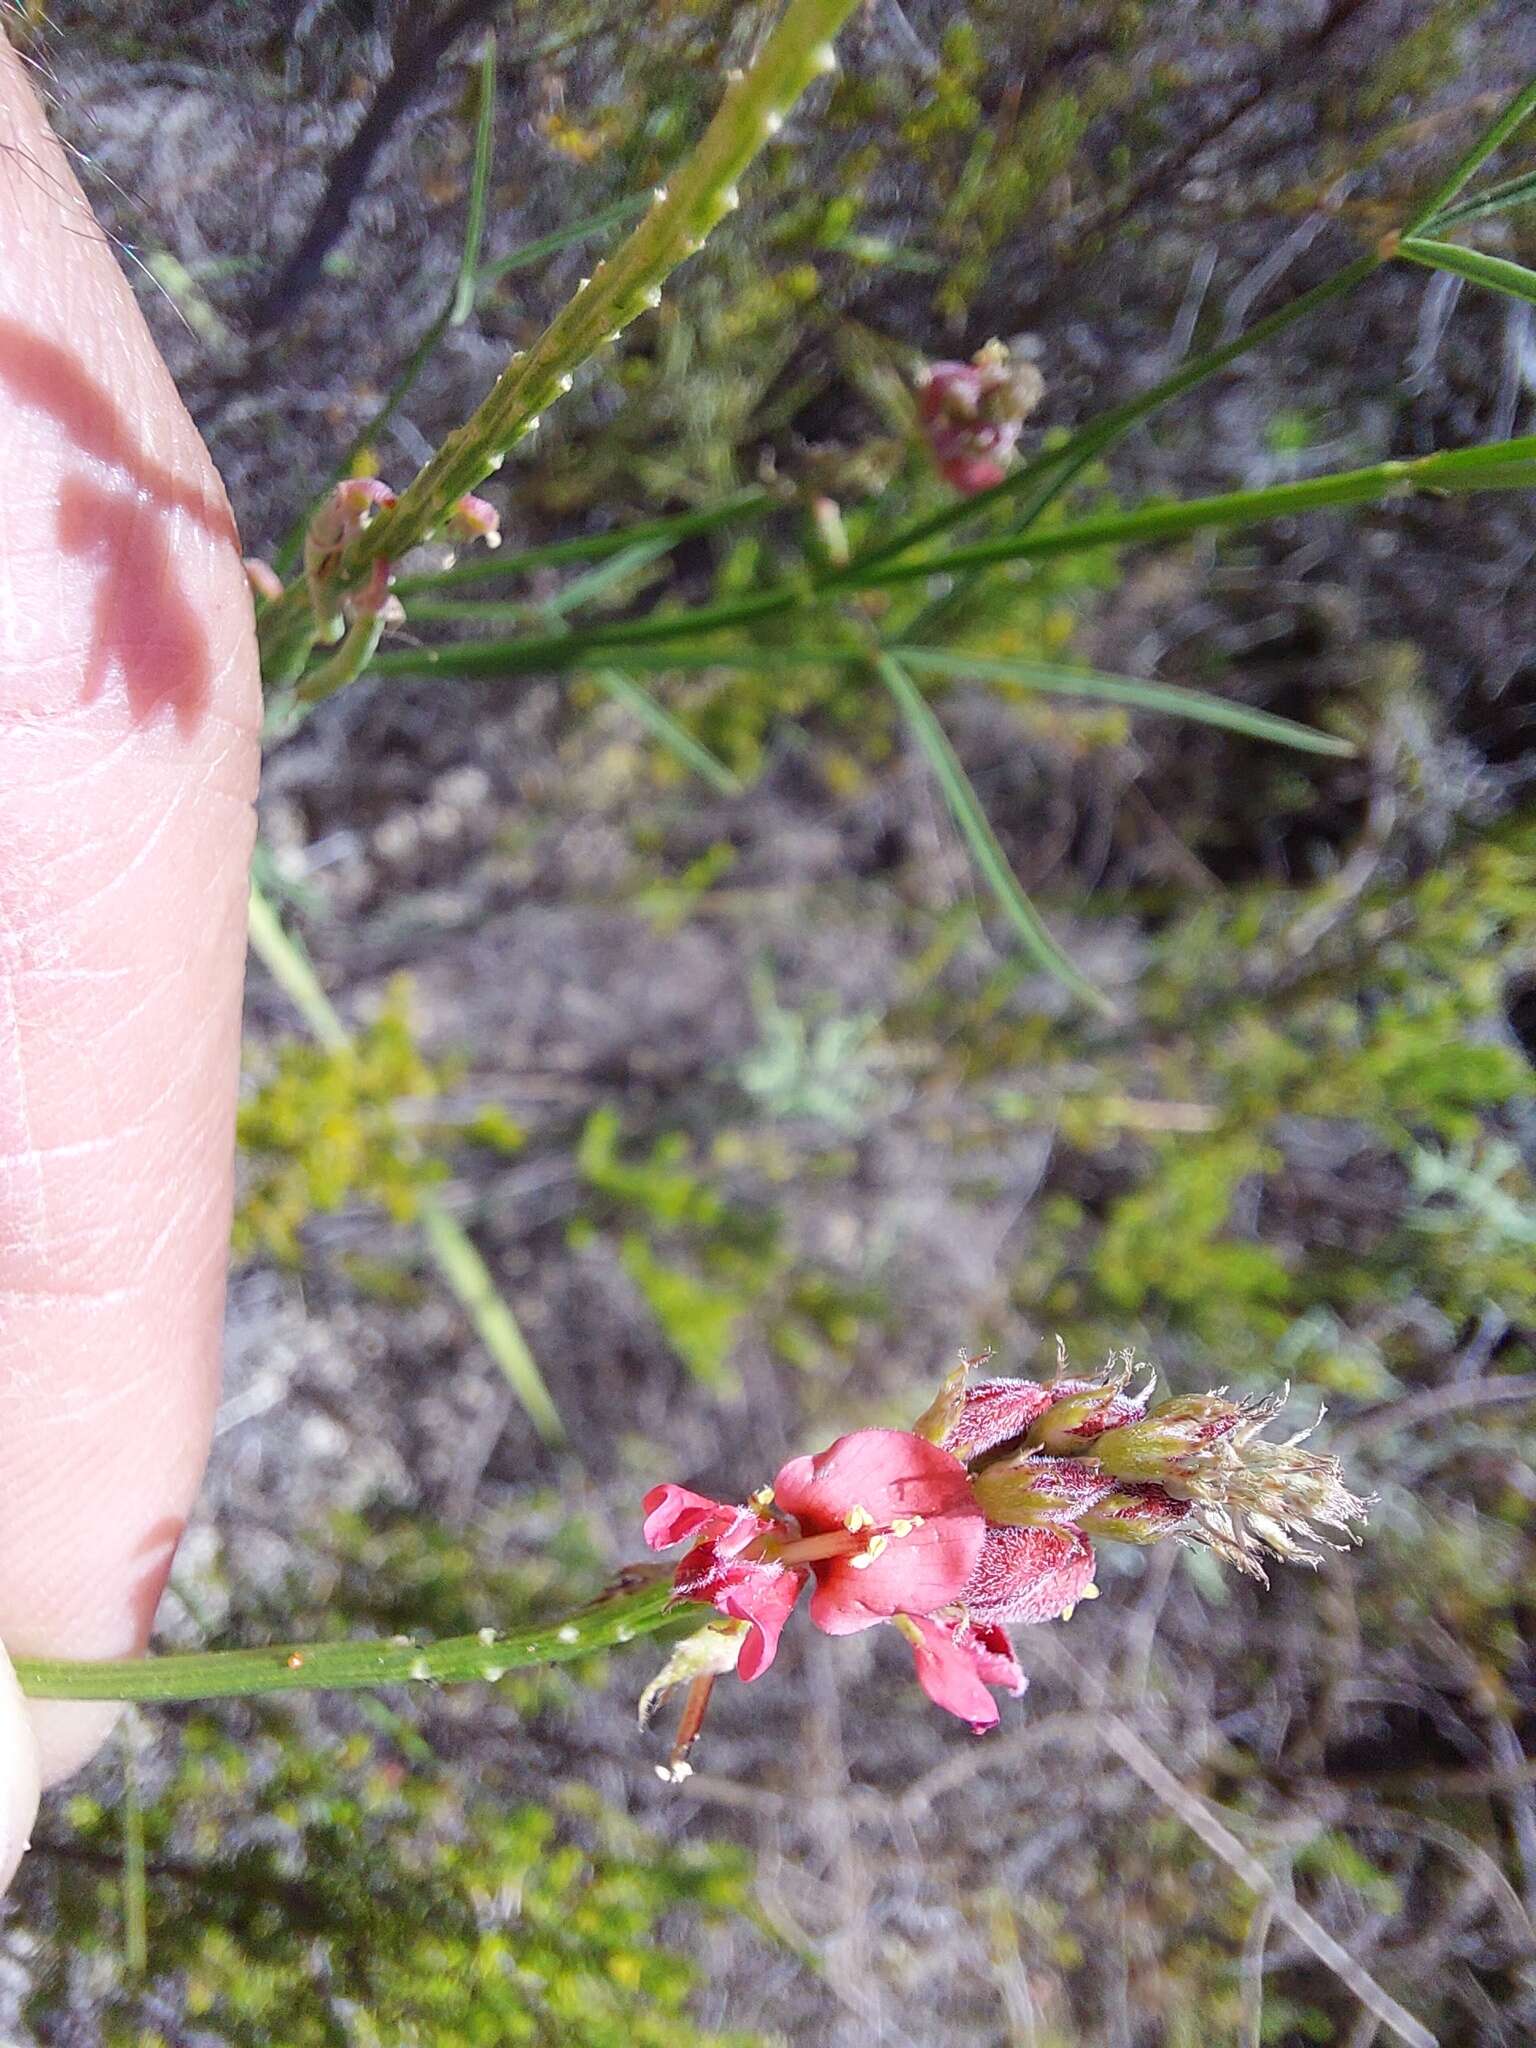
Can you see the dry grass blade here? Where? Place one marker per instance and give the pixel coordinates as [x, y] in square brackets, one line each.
[1118, 1735]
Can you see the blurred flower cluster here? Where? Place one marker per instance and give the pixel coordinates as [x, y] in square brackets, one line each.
[982, 1515]
[972, 412]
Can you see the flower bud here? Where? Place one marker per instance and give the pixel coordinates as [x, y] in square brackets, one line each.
[1245, 1496]
[263, 579]
[1174, 1432]
[346, 510]
[475, 519]
[1031, 1488]
[1138, 1513]
[1083, 1411]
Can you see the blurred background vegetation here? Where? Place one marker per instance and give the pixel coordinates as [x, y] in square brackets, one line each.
[744, 1099]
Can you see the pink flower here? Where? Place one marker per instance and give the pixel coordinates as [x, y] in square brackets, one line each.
[956, 1662]
[729, 1566]
[475, 519]
[909, 1508]
[972, 412]
[1028, 1575]
[347, 510]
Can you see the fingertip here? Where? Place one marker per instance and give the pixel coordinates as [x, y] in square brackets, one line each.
[20, 1774]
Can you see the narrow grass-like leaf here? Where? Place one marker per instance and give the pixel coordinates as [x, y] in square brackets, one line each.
[463, 301]
[559, 654]
[586, 589]
[1497, 273]
[454, 1256]
[1142, 696]
[286, 960]
[605, 577]
[1502, 198]
[530, 253]
[593, 547]
[1494, 465]
[965, 808]
[494, 1323]
[660, 723]
[135, 1878]
[1493, 137]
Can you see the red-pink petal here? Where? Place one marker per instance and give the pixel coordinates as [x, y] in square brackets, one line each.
[889, 1472]
[1028, 1575]
[955, 1669]
[756, 1590]
[893, 1476]
[994, 1658]
[993, 1412]
[969, 474]
[673, 1514]
[767, 1604]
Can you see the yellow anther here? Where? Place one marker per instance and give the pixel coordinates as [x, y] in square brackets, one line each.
[858, 1518]
[1068, 1611]
[903, 1527]
[763, 1498]
[871, 1551]
[1089, 1593]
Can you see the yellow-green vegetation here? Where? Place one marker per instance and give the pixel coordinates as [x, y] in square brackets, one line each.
[346, 1892]
[330, 1126]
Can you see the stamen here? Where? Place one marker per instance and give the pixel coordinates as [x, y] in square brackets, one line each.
[858, 1518]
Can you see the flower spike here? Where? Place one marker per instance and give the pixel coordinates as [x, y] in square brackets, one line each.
[981, 1517]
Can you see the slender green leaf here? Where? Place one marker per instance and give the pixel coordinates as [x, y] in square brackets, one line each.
[607, 576]
[531, 253]
[1493, 137]
[557, 654]
[588, 547]
[135, 1879]
[494, 1323]
[660, 723]
[286, 960]
[1143, 696]
[1501, 198]
[1495, 465]
[598, 582]
[1497, 273]
[463, 302]
[991, 861]
[454, 1256]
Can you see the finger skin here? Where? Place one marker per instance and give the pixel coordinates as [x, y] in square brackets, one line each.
[18, 1774]
[128, 757]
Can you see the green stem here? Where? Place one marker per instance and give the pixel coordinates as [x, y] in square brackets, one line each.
[1499, 465]
[338, 1667]
[701, 194]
